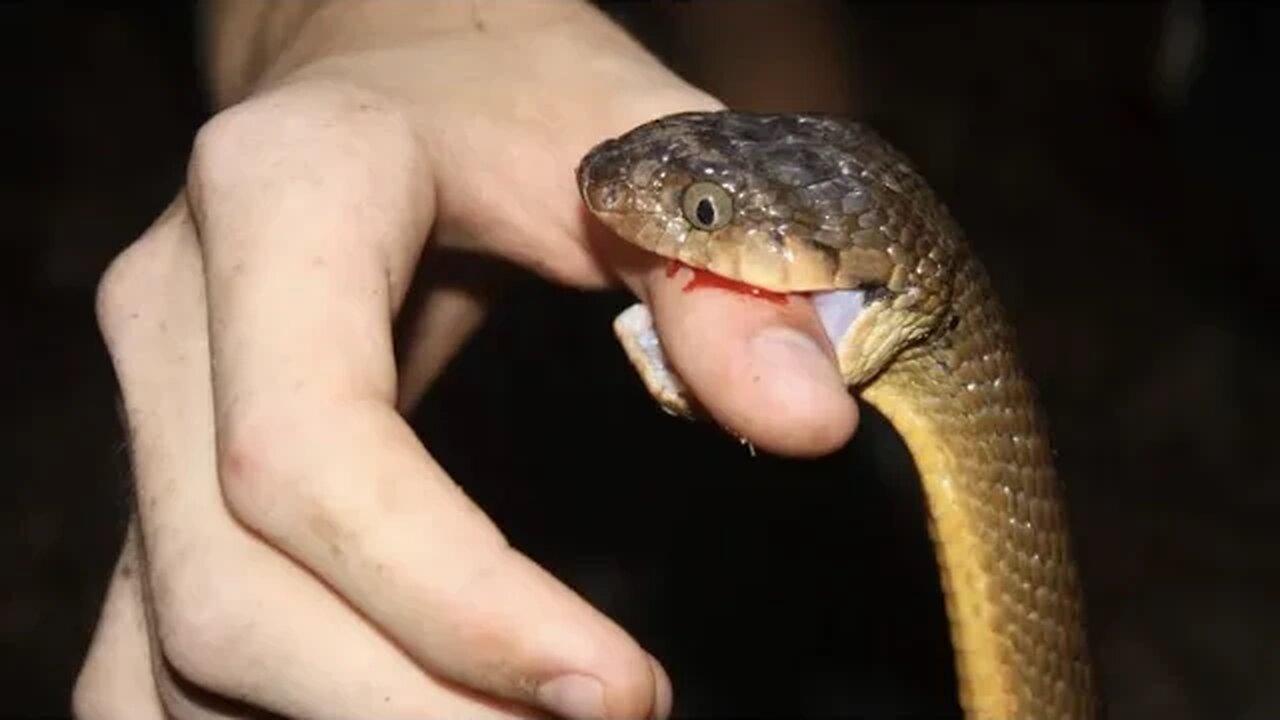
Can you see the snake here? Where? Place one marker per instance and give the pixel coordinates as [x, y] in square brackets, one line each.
[823, 209]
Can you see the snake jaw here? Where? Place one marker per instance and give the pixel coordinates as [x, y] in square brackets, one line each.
[635, 331]
[837, 310]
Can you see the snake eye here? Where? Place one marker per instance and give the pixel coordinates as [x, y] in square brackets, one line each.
[707, 206]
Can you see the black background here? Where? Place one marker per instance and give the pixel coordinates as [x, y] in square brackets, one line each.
[1124, 214]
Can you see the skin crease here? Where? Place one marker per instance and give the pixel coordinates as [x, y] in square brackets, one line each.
[295, 549]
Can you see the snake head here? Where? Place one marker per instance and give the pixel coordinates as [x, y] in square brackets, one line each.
[792, 203]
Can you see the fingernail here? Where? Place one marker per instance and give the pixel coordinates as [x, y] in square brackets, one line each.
[791, 353]
[577, 697]
[662, 686]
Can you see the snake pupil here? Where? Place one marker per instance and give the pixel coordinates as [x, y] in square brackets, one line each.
[706, 212]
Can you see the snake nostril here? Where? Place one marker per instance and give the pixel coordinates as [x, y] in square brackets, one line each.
[608, 197]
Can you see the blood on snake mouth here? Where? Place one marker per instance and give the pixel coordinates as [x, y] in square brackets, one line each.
[837, 309]
[702, 278]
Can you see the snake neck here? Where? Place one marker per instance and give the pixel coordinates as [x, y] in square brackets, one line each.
[967, 413]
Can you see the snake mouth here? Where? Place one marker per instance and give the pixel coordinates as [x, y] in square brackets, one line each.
[837, 310]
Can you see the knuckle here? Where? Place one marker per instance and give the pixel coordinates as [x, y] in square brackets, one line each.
[131, 277]
[202, 630]
[310, 125]
[222, 145]
[90, 699]
[254, 468]
[102, 692]
[115, 288]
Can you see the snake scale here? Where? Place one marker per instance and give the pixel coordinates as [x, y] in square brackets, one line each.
[824, 208]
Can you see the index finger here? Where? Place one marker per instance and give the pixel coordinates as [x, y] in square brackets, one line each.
[310, 230]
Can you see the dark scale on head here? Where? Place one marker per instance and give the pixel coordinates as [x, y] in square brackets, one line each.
[823, 180]
[796, 166]
[794, 152]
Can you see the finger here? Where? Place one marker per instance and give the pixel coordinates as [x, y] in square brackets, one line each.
[304, 273]
[179, 698]
[231, 615]
[763, 369]
[115, 682]
[124, 675]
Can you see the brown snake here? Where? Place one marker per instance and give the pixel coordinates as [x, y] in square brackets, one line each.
[821, 205]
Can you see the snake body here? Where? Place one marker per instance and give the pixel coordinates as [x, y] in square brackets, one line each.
[823, 206]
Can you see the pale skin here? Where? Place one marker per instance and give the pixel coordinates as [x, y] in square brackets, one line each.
[295, 549]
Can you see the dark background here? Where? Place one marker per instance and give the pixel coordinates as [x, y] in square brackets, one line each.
[1109, 162]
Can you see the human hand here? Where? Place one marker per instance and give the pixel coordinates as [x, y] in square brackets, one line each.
[296, 550]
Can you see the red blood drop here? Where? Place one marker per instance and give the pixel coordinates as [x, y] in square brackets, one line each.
[704, 279]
